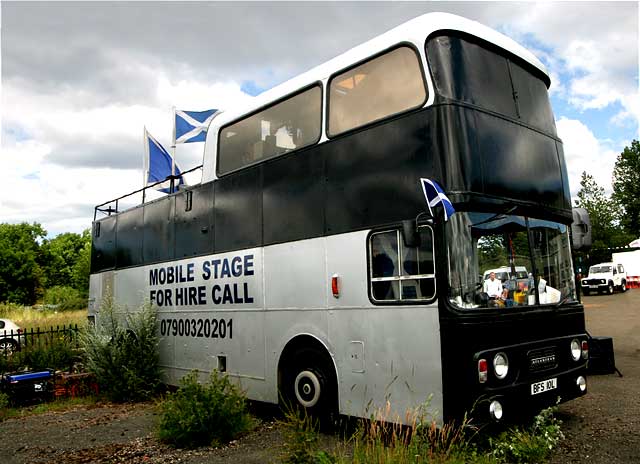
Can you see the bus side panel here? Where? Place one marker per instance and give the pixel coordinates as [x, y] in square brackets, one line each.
[293, 197]
[238, 210]
[211, 307]
[195, 226]
[103, 244]
[129, 238]
[158, 233]
[388, 354]
[373, 175]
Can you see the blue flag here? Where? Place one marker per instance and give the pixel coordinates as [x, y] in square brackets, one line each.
[158, 165]
[191, 126]
[434, 195]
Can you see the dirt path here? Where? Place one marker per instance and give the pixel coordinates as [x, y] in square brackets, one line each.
[602, 427]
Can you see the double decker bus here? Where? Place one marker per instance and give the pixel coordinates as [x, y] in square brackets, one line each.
[308, 267]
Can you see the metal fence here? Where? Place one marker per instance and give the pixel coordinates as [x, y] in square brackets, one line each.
[12, 341]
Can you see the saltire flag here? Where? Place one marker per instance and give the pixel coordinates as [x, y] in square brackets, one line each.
[434, 195]
[191, 126]
[158, 165]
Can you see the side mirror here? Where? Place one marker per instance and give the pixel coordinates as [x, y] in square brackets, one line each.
[580, 230]
[410, 234]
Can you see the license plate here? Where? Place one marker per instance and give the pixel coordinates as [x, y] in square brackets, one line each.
[545, 385]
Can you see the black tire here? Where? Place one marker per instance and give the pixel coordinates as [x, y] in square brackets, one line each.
[586, 292]
[309, 385]
[623, 286]
[8, 346]
[610, 288]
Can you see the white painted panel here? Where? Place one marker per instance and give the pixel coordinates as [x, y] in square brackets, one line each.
[295, 275]
[347, 257]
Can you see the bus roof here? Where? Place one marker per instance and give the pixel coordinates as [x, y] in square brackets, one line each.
[413, 31]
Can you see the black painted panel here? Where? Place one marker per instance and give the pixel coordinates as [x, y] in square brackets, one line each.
[158, 236]
[373, 175]
[103, 246]
[293, 197]
[129, 238]
[238, 210]
[518, 163]
[195, 228]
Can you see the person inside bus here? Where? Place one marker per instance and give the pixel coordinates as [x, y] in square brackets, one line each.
[493, 288]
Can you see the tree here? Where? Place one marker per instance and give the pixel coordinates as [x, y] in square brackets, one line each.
[626, 187]
[21, 274]
[63, 253]
[604, 216]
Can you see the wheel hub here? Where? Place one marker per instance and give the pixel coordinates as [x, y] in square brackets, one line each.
[307, 388]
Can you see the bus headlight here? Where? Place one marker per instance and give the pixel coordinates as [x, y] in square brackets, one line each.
[495, 410]
[576, 349]
[500, 365]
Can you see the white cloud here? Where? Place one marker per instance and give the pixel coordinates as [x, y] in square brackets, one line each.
[584, 152]
[54, 177]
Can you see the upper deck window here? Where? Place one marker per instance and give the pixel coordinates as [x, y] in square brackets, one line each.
[288, 125]
[469, 70]
[381, 87]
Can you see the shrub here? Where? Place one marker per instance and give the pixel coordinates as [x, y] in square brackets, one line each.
[121, 350]
[209, 414]
[65, 298]
[529, 445]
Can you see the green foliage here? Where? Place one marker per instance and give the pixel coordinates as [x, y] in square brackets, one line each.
[66, 256]
[121, 350]
[604, 216]
[47, 351]
[301, 440]
[65, 298]
[21, 260]
[626, 187]
[532, 445]
[209, 414]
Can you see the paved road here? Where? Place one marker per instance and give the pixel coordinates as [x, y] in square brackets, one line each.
[604, 426]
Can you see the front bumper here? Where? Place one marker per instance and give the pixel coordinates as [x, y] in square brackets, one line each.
[518, 402]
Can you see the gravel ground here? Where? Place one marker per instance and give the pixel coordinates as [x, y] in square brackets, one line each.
[602, 427]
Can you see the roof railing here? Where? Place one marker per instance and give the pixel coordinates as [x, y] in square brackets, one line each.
[111, 209]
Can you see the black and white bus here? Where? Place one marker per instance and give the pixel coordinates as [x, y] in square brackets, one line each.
[306, 264]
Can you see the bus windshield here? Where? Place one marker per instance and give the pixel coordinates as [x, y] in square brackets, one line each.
[499, 260]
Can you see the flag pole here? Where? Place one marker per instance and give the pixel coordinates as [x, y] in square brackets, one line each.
[173, 149]
[145, 167]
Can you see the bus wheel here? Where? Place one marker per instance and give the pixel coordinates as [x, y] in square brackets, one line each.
[623, 286]
[610, 288]
[311, 385]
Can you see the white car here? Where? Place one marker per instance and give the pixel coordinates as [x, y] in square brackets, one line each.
[11, 338]
[605, 277]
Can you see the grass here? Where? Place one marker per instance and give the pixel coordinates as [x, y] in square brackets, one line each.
[29, 318]
[381, 442]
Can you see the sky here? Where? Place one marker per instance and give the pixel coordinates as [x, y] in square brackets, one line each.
[80, 81]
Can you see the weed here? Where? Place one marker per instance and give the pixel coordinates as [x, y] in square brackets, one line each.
[209, 414]
[301, 440]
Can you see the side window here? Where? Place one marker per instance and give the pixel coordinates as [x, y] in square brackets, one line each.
[288, 125]
[381, 87]
[399, 273]
[620, 268]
